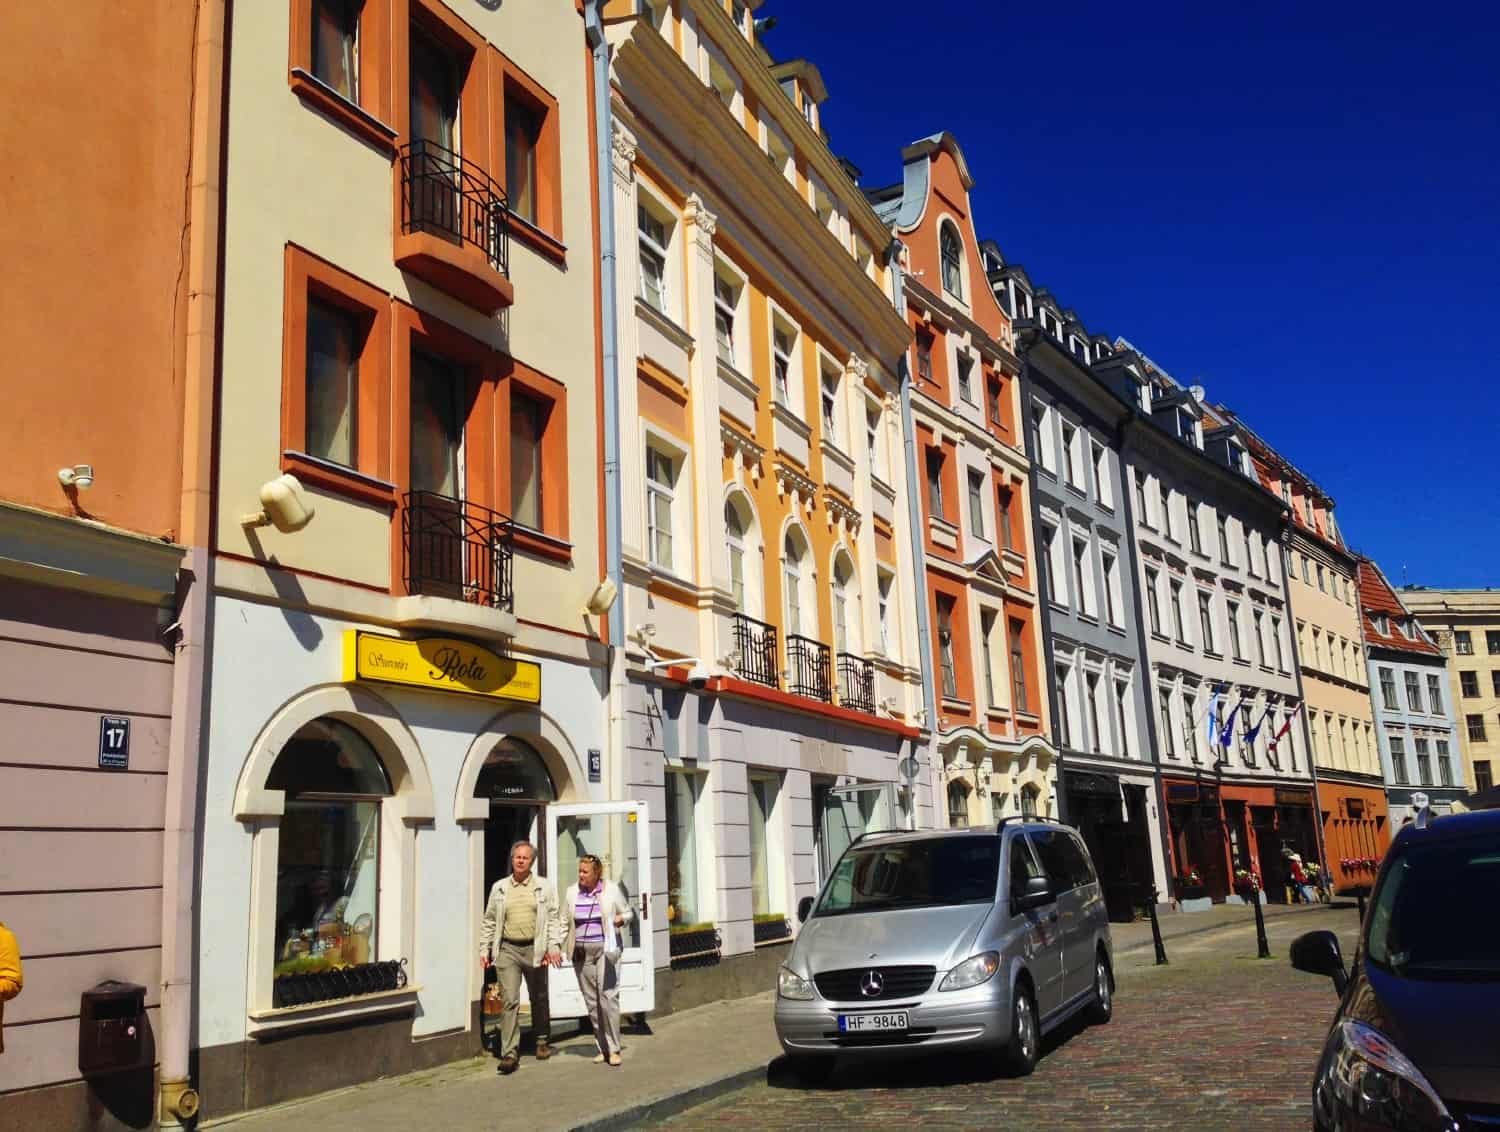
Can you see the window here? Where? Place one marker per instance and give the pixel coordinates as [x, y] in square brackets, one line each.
[661, 482]
[1096, 731]
[1112, 597]
[1007, 540]
[872, 437]
[1041, 432]
[523, 132]
[1190, 716]
[726, 301]
[952, 256]
[843, 574]
[1206, 620]
[1051, 564]
[1195, 535]
[924, 357]
[1083, 577]
[976, 503]
[1424, 763]
[1140, 497]
[1492, 641]
[945, 646]
[653, 235]
[986, 632]
[935, 483]
[1029, 797]
[1482, 779]
[1072, 473]
[1494, 683]
[334, 339]
[684, 789]
[1237, 647]
[958, 804]
[965, 371]
[1122, 716]
[328, 848]
[1018, 667]
[1259, 620]
[528, 423]
[1434, 694]
[436, 425]
[1462, 643]
[1306, 576]
[829, 399]
[1319, 569]
[1065, 704]
[1103, 491]
[765, 890]
[783, 341]
[1476, 728]
[1169, 515]
[883, 583]
[1388, 690]
[1160, 516]
[1398, 760]
[335, 45]
[1168, 733]
[1177, 625]
[1413, 692]
[992, 396]
[1224, 541]
[791, 580]
[1153, 605]
[734, 537]
[1276, 636]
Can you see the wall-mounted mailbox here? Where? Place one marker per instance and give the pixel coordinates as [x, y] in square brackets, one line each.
[113, 1035]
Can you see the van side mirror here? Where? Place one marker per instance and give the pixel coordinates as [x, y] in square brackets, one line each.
[1035, 894]
[1318, 954]
[804, 909]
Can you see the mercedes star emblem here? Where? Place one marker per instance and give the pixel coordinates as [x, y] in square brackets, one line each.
[871, 983]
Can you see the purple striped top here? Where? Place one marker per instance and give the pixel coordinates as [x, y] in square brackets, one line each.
[588, 919]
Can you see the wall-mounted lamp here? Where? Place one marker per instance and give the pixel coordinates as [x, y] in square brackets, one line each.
[283, 504]
[603, 597]
[80, 476]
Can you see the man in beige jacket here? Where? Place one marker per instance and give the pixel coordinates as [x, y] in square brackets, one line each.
[522, 935]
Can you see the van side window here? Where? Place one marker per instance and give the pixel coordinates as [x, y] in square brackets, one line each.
[1052, 847]
[1078, 861]
[1023, 866]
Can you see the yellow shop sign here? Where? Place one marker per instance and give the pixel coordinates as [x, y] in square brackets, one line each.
[440, 663]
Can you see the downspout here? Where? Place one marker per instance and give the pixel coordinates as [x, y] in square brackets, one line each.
[179, 1101]
[609, 348]
[1163, 824]
[914, 521]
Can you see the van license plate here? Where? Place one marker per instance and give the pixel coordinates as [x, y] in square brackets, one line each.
[865, 1023]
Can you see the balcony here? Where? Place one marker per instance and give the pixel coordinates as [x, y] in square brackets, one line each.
[856, 683]
[457, 560]
[808, 664]
[755, 643]
[455, 226]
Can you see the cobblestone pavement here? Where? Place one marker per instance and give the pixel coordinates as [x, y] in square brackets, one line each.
[1217, 1040]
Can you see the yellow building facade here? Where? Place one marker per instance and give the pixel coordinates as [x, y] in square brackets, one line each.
[1466, 625]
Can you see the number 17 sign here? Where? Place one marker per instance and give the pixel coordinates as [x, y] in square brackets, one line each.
[114, 742]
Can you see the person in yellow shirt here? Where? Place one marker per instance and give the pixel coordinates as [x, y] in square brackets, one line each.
[10, 974]
[521, 934]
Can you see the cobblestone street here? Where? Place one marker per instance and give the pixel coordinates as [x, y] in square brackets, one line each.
[1216, 1040]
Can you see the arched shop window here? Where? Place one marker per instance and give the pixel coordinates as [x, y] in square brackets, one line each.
[514, 772]
[328, 851]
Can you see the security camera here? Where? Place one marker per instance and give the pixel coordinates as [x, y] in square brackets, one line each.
[80, 476]
[603, 597]
[698, 677]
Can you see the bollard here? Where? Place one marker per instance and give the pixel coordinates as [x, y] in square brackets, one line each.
[1161, 951]
[1260, 928]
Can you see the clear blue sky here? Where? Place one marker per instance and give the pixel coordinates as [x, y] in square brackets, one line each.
[1297, 205]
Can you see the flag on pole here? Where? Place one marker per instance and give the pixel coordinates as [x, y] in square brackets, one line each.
[1284, 728]
[1226, 733]
[1213, 715]
[1254, 731]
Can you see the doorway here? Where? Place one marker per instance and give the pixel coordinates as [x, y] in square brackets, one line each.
[515, 781]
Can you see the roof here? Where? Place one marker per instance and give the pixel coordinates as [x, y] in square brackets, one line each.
[1441, 827]
[1376, 595]
[902, 212]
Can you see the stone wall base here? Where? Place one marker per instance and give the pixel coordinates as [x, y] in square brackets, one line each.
[735, 976]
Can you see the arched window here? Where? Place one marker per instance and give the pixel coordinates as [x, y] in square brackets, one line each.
[734, 535]
[327, 882]
[791, 578]
[846, 619]
[1029, 796]
[958, 803]
[514, 772]
[953, 260]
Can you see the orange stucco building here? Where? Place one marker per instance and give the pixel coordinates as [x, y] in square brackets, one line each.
[994, 754]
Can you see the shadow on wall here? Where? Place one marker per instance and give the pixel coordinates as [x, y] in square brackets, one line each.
[304, 627]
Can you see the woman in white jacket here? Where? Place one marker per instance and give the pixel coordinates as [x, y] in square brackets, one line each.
[596, 910]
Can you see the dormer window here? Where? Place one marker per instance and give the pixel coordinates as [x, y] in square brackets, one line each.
[1382, 626]
[953, 256]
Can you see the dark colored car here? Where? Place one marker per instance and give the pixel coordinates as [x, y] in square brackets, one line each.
[1415, 1043]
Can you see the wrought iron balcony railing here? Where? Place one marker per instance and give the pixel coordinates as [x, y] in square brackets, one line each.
[457, 549]
[755, 643]
[449, 196]
[809, 668]
[856, 683]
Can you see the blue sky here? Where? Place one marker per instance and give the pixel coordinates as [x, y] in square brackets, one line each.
[1297, 206]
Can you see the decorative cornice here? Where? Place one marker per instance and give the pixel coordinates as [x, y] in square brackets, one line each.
[790, 481]
[737, 443]
[840, 511]
[82, 554]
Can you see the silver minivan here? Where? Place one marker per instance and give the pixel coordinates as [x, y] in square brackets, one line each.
[950, 939]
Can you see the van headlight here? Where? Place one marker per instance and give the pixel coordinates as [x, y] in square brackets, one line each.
[971, 972]
[791, 985]
[1368, 1077]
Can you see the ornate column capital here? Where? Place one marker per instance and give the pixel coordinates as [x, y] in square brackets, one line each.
[622, 154]
[695, 216]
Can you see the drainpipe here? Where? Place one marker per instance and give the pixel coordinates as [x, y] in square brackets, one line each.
[179, 1102]
[609, 323]
[914, 518]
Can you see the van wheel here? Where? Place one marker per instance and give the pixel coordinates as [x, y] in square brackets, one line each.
[811, 1071]
[1025, 1042]
[1102, 1009]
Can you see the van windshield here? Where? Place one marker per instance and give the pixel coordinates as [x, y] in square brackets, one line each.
[1437, 913]
[913, 874]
